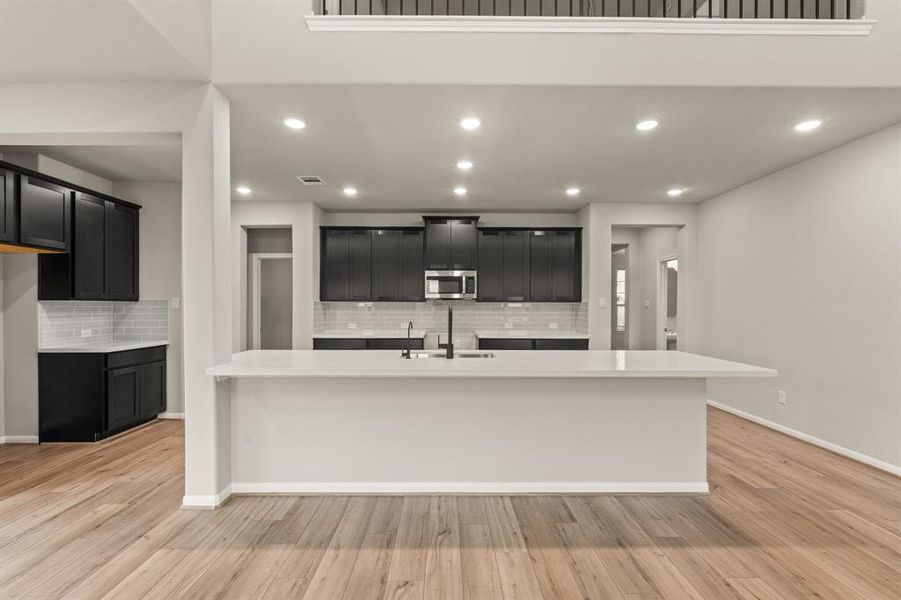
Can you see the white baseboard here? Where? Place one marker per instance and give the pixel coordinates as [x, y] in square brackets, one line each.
[209, 501]
[466, 487]
[18, 439]
[804, 437]
[172, 415]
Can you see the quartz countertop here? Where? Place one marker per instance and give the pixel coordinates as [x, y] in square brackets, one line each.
[105, 347]
[537, 334]
[369, 333]
[505, 363]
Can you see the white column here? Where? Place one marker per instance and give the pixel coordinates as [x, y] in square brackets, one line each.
[206, 235]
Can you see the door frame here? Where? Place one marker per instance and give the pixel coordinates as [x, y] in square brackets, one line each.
[257, 259]
[662, 284]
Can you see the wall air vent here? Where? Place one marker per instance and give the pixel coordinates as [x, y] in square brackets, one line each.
[311, 180]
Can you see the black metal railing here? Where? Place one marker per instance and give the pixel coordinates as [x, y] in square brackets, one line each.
[685, 9]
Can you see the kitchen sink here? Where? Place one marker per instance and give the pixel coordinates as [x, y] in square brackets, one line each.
[457, 354]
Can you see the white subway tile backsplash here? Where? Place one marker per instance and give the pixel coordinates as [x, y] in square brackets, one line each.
[62, 323]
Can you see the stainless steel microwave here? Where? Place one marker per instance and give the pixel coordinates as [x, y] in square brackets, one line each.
[450, 285]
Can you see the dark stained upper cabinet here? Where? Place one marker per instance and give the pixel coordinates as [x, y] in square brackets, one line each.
[121, 252]
[412, 285]
[387, 264]
[503, 265]
[103, 262]
[555, 266]
[9, 222]
[345, 265]
[451, 243]
[44, 213]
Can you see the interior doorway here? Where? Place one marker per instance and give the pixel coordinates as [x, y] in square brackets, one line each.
[668, 303]
[272, 301]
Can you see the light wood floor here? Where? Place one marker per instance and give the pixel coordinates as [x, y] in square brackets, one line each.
[783, 520]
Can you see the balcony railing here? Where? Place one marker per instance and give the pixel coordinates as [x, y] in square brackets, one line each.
[656, 9]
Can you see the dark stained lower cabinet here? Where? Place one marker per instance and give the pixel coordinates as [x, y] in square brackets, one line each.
[532, 344]
[366, 343]
[87, 396]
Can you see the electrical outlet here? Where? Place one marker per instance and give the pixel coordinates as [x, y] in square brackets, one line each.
[174, 302]
[508, 325]
[403, 325]
[552, 325]
[647, 304]
[602, 303]
[782, 397]
[351, 325]
[86, 333]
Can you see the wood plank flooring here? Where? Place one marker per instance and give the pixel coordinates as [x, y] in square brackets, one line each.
[783, 520]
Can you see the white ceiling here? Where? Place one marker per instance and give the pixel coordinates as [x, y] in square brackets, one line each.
[116, 163]
[103, 40]
[399, 144]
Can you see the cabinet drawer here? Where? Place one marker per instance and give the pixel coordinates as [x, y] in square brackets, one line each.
[114, 360]
[504, 344]
[395, 344]
[339, 344]
[561, 344]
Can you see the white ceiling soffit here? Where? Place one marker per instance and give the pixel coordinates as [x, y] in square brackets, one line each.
[399, 145]
[101, 40]
[116, 163]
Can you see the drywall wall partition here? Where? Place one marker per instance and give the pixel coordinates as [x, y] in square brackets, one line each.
[801, 271]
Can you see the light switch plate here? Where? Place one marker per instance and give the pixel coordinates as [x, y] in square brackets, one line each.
[351, 325]
[508, 325]
[174, 302]
[602, 303]
[86, 333]
[647, 304]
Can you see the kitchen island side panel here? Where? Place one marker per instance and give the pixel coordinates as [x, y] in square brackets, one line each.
[468, 435]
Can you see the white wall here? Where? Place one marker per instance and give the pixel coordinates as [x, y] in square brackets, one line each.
[303, 218]
[160, 264]
[801, 271]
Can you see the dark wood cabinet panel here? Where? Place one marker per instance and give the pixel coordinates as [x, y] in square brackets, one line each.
[121, 252]
[540, 266]
[152, 388]
[44, 213]
[438, 244]
[551, 344]
[556, 266]
[9, 220]
[515, 275]
[340, 344]
[490, 266]
[89, 252]
[395, 343]
[412, 285]
[504, 344]
[360, 265]
[464, 244]
[122, 394]
[335, 260]
[532, 344]
[387, 264]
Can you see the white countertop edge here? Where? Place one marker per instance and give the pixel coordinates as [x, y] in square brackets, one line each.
[102, 348]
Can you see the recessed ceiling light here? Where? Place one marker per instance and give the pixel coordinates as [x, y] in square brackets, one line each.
[294, 123]
[647, 125]
[470, 123]
[464, 165]
[460, 191]
[808, 125]
[243, 190]
[350, 191]
[572, 191]
[675, 192]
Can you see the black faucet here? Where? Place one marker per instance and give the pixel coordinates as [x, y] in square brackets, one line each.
[450, 332]
[406, 352]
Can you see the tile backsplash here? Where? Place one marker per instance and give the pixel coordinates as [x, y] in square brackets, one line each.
[62, 323]
[432, 317]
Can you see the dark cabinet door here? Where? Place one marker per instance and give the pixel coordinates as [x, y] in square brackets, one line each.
[505, 344]
[395, 344]
[335, 278]
[121, 252]
[152, 389]
[122, 393]
[515, 265]
[360, 265]
[490, 266]
[548, 344]
[464, 244]
[566, 268]
[438, 244]
[540, 266]
[44, 212]
[412, 284]
[9, 231]
[387, 264]
[340, 344]
[89, 252]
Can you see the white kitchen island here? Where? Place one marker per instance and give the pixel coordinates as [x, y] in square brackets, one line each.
[307, 421]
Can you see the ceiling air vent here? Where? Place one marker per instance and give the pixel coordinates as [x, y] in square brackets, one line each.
[311, 180]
